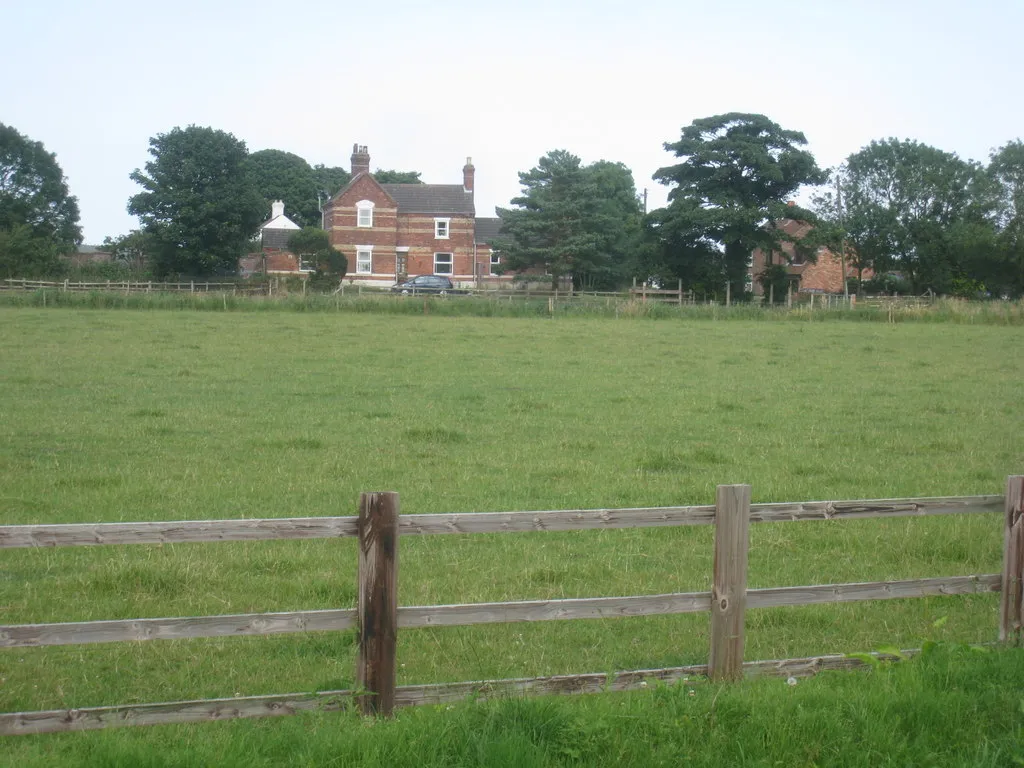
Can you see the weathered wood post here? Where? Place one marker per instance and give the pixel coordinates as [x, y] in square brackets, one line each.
[1012, 594]
[680, 292]
[377, 610]
[729, 588]
[728, 294]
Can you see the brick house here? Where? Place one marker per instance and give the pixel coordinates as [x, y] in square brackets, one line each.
[823, 276]
[389, 232]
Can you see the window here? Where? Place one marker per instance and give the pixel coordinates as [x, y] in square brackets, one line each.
[443, 264]
[364, 213]
[441, 228]
[495, 261]
[364, 260]
[307, 262]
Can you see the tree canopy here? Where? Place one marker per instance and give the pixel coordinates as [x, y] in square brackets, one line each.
[730, 190]
[313, 245]
[199, 203]
[1006, 170]
[920, 211]
[284, 176]
[38, 215]
[572, 220]
[397, 177]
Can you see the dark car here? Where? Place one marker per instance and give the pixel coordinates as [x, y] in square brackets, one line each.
[426, 284]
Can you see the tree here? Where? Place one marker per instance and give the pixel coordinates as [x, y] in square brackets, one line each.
[920, 211]
[312, 244]
[285, 176]
[329, 181]
[1006, 169]
[38, 216]
[732, 187]
[199, 204]
[397, 177]
[134, 250]
[572, 221]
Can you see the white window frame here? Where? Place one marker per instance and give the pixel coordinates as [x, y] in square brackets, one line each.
[446, 225]
[495, 261]
[364, 213]
[364, 266]
[449, 263]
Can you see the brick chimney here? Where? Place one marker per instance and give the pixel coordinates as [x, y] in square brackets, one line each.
[360, 160]
[467, 175]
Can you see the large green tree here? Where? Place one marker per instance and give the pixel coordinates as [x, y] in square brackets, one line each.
[730, 190]
[1006, 169]
[280, 175]
[330, 179]
[199, 204]
[38, 216]
[920, 211]
[572, 220]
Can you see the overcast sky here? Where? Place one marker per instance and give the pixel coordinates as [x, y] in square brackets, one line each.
[425, 85]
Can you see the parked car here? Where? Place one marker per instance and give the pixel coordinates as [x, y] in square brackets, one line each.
[426, 284]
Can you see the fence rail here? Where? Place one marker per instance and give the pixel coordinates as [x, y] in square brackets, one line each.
[131, 286]
[378, 616]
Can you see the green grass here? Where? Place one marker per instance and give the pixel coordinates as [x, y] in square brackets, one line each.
[375, 301]
[954, 708]
[163, 415]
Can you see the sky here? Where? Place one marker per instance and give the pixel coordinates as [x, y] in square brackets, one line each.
[425, 85]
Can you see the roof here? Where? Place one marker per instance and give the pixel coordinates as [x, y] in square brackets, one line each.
[279, 222]
[487, 229]
[431, 198]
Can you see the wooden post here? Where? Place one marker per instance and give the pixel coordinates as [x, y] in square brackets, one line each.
[680, 292]
[729, 590]
[377, 611]
[1011, 614]
[771, 294]
[728, 294]
[789, 296]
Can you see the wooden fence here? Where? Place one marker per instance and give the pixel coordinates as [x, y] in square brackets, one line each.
[132, 286]
[378, 616]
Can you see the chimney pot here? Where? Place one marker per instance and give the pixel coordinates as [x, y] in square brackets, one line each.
[360, 159]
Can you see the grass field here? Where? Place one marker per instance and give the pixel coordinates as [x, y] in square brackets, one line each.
[122, 415]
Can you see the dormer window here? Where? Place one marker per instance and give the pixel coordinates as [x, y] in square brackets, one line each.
[364, 213]
[441, 228]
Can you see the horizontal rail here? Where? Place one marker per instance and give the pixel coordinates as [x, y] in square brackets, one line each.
[208, 710]
[120, 630]
[187, 531]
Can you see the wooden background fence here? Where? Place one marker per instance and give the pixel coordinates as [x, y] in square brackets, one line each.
[378, 615]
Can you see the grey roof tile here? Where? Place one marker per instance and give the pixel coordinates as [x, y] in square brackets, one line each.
[431, 198]
[487, 229]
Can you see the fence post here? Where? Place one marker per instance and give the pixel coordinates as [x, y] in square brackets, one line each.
[1012, 594]
[729, 588]
[378, 602]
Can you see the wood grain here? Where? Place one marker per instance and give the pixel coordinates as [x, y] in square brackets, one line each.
[206, 710]
[729, 582]
[186, 531]
[377, 609]
[410, 617]
[1011, 608]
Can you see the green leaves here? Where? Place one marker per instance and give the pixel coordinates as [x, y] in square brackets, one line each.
[38, 216]
[198, 202]
[729, 192]
[573, 221]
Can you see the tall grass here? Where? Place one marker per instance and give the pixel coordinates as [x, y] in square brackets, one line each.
[954, 708]
[942, 311]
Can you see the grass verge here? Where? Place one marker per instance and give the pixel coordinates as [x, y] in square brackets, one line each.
[954, 707]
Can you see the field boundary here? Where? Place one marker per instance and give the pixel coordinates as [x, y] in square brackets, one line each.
[378, 617]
